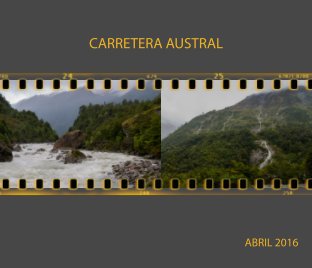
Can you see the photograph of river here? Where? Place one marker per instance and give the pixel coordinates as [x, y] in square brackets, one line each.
[82, 134]
[234, 133]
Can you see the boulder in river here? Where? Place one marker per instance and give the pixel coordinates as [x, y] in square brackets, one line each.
[17, 148]
[60, 157]
[74, 156]
[5, 153]
[70, 140]
[133, 170]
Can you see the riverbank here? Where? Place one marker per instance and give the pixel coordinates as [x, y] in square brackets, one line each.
[37, 161]
[132, 170]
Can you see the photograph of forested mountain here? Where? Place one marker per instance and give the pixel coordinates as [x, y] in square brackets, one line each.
[239, 134]
[80, 134]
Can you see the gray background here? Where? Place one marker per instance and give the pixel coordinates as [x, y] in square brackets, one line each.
[53, 36]
[144, 232]
[208, 231]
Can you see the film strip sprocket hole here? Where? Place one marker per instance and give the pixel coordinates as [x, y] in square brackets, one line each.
[266, 147]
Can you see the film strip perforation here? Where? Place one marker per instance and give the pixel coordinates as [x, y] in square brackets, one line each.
[73, 184]
[242, 184]
[39, 184]
[107, 184]
[157, 184]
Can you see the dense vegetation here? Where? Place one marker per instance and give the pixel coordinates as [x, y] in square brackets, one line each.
[130, 126]
[227, 155]
[22, 126]
[221, 144]
[293, 149]
[210, 155]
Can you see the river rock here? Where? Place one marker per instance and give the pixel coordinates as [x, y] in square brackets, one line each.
[132, 170]
[60, 157]
[6, 154]
[74, 156]
[54, 150]
[17, 148]
[40, 150]
[70, 140]
[127, 163]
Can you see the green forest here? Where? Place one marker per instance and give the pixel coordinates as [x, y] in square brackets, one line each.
[24, 126]
[227, 155]
[130, 126]
[293, 151]
[229, 143]
[209, 155]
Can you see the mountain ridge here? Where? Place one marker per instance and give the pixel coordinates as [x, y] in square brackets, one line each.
[256, 103]
[61, 109]
[278, 126]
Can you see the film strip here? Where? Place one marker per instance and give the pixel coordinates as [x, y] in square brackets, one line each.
[173, 84]
[134, 168]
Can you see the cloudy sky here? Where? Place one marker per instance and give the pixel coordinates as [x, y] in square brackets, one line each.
[14, 95]
[182, 105]
[178, 106]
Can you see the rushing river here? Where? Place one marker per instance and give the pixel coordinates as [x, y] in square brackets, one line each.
[32, 164]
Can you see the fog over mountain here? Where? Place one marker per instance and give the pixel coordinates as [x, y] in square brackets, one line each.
[180, 106]
[167, 127]
[61, 109]
[264, 135]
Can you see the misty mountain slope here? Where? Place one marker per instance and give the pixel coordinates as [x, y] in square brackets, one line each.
[167, 127]
[271, 109]
[61, 109]
[267, 134]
